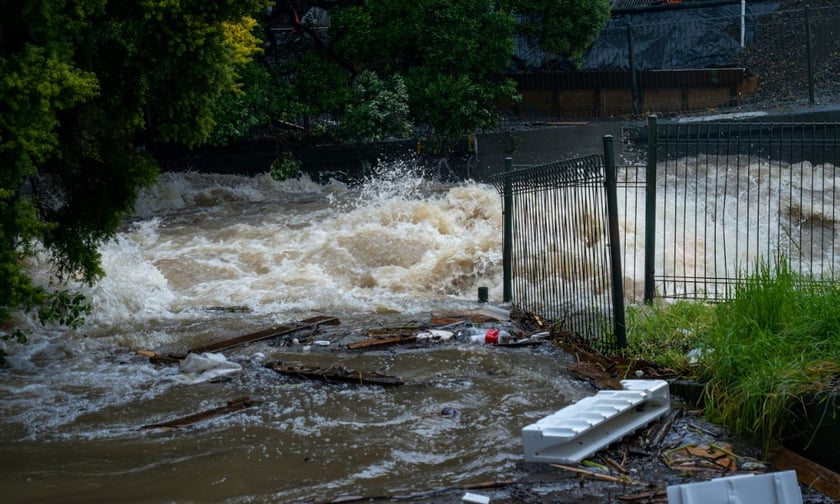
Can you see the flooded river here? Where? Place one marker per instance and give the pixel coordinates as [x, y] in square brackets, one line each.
[208, 257]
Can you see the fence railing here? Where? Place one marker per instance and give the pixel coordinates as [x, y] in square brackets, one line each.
[729, 197]
[561, 245]
[714, 202]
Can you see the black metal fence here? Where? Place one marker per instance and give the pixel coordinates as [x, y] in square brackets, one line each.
[561, 245]
[714, 202]
[720, 199]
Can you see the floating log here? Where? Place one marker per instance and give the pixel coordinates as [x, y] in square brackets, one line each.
[266, 334]
[484, 315]
[382, 341]
[162, 358]
[335, 374]
[231, 407]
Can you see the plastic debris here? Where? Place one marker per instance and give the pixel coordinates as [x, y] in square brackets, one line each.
[580, 429]
[771, 488]
[198, 368]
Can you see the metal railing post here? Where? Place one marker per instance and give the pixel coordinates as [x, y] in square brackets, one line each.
[810, 56]
[650, 211]
[610, 181]
[507, 233]
[634, 86]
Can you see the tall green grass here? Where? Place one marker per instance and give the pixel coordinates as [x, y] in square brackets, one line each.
[763, 352]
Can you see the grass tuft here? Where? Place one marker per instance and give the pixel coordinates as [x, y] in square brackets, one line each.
[762, 353]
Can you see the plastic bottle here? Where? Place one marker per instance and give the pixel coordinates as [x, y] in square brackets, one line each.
[491, 337]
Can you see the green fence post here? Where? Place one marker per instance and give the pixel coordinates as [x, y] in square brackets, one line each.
[650, 211]
[507, 233]
[620, 333]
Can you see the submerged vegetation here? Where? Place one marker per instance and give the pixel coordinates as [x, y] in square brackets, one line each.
[761, 354]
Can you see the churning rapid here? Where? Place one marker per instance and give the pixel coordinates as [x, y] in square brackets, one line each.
[208, 257]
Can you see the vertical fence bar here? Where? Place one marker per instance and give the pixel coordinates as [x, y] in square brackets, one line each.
[650, 212]
[810, 55]
[634, 87]
[507, 238]
[620, 331]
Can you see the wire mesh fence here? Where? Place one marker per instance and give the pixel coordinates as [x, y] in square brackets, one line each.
[729, 198]
[557, 220]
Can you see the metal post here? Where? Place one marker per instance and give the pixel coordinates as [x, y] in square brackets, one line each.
[743, 15]
[507, 237]
[634, 87]
[809, 56]
[650, 211]
[620, 334]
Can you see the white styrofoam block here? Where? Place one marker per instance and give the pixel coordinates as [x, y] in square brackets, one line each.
[771, 488]
[472, 498]
[580, 429]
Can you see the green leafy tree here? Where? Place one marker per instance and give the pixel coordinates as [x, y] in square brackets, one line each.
[367, 70]
[563, 27]
[87, 89]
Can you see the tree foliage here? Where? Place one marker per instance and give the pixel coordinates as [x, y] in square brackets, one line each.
[563, 27]
[373, 69]
[86, 88]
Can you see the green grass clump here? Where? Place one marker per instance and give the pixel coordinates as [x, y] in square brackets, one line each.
[665, 333]
[775, 342]
[762, 353]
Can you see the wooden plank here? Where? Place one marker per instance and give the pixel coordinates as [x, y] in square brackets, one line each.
[383, 341]
[266, 334]
[808, 472]
[335, 374]
[231, 407]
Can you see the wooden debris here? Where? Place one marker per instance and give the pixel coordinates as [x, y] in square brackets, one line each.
[663, 431]
[808, 473]
[335, 374]
[484, 315]
[625, 480]
[693, 457]
[231, 407]
[162, 358]
[266, 334]
[382, 341]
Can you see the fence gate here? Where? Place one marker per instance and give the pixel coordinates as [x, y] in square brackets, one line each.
[561, 246]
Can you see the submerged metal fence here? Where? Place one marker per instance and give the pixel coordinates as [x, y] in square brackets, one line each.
[722, 199]
[562, 258]
[714, 202]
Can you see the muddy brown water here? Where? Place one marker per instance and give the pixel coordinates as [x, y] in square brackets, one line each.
[387, 252]
[455, 421]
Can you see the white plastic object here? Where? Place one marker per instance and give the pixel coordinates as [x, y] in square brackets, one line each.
[435, 334]
[770, 488]
[581, 429]
[473, 498]
[198, 368]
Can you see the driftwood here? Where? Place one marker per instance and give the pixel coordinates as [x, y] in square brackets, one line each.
[230, 407]
[266, 334]
[808, 473]
[383, 341]
[625, 480]
[162, 358]
[335, 374]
